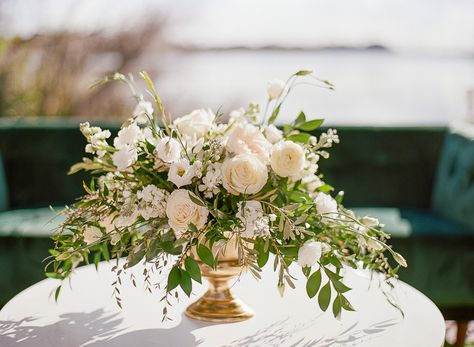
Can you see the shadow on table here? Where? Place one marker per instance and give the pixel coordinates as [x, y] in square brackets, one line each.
[98, 328]
[281, 333]
[92, 329]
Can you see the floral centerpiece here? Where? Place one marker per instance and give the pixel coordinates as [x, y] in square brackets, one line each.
[192, 194]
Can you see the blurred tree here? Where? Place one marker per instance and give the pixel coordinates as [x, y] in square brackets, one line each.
[49, 74]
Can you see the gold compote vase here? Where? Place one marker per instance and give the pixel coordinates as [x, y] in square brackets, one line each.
[219, 304]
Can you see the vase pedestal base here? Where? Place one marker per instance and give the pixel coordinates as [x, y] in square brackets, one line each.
[219, 305]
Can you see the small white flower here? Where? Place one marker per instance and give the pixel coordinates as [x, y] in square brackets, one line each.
[287, 159]
[91, 234]
[143, 111]
[244, 174]
[369, 221]
[254, 223]
[212, 180]
[181, 173]
[168, 149]
[124, 158]
[272, 133]
[275, 88]
[248, 139]
[128, 136]
[196, 124]
[310, 253]
[272, 217]
[325, 204]
[238, 116]
[182, 211]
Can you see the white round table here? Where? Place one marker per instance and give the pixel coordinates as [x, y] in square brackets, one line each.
[86, 315]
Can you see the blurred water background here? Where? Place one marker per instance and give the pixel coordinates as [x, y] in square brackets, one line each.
[392, 63]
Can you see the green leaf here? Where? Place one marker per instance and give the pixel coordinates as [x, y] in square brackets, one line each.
[54, 275]
[196, 200]
[300, 119]
[301, 137]
[324, 296]
[313, 283]
[346, 304]
[274, 115]
[193, 269]
[206, 255]
[171, 248]
[298, 196]
[332, 275]
[174, 278]
[105, 251]
[185, 282]
[303, 72]
[325, 188]
[310, 125]
[134, 258]
[340, 287]
[56, 293]
[336, 307]
[96, 260]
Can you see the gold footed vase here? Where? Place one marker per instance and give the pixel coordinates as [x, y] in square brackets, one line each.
[218, 304]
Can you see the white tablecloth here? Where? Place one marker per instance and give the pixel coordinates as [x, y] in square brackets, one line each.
[87, 315]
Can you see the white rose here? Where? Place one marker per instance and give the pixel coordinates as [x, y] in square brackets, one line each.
[310, 253]
[168, 149]
[128, 136]
[275, 88]
[244, 174]
[325, 204]
[247, 138]
[287, 158]
[91, 234]
[182, 211]
[181, 173]
[273, 134]
[124, 157]
[196, 124]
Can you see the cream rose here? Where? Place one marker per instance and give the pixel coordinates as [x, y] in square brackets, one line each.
[196, 124]
[247, 138]
[182, 211]
[244, 174]
[287, 158]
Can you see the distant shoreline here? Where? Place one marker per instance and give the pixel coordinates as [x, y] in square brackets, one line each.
[336, 48]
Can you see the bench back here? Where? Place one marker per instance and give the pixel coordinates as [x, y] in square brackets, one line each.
[453, 196]
[385, 166]
[3, 187]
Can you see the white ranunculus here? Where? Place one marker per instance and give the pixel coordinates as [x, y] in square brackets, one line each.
[275, 88]
[168, 149]
[272, 133]
[310, 253]
[247, 138]
[128, 136]
[182, 211]
[369, 221]
[196, 124]
[244, 174]
[287, 158]
[325, 204]
[181, 173]
[91, 234]
[124, 158]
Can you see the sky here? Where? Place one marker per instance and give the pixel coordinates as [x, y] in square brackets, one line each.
[442, 27]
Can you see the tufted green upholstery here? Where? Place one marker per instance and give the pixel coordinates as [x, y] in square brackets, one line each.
[453, 196]
[3, 187]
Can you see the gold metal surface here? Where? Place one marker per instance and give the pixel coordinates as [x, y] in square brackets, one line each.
[218, 304]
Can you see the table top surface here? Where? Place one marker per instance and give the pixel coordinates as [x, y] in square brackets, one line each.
[86, 314]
